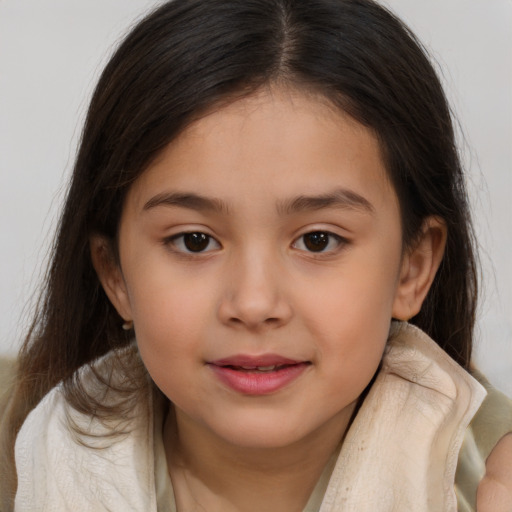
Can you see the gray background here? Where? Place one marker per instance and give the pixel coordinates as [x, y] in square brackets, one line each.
[51, 54]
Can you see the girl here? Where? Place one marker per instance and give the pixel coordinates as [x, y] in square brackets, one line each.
[267, 206]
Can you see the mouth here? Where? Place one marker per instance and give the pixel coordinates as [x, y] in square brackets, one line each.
[260, 375]
[259, 369]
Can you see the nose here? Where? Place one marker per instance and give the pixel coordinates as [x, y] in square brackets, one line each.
[254, 297]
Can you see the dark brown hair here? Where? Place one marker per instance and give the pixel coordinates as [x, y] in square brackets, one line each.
[189, 56]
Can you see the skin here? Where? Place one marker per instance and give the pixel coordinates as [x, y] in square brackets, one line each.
[257, 288]
[495, 490]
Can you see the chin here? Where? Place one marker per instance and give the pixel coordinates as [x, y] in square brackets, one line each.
[262, 433]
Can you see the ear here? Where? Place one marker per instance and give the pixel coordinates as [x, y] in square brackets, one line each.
[418, 269]
[110, 275]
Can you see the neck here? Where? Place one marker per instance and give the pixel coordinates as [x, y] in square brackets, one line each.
[210, 474]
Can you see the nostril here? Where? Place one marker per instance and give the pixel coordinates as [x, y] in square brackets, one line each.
[254, 308]
[256, 325]
[266, 321]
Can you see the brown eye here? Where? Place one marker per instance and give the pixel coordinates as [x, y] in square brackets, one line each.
[194, 242]
[318, 241]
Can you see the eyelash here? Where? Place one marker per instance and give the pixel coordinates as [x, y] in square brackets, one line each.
[204, 241]
[321, 237]
[179, 242]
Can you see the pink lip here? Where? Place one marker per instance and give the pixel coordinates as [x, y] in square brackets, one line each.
[250, 381]
[248, 360]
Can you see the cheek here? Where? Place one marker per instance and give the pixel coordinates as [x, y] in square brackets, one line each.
[169, 315]
[164, 294]
[351, 350]
[358, 300]
[162, 315]
[168, 330]
[349, 317]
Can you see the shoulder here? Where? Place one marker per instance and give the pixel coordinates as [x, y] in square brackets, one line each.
[40, 437]
[91, 401]
[48, 413]
[495, 490]
[63, 454]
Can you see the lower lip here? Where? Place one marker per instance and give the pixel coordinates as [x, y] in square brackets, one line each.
[258, 383]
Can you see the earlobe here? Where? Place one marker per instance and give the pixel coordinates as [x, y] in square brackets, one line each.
[110, 275]
[419, 266]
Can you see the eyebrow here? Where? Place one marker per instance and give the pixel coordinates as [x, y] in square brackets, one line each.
[187, 200]
[339, 198]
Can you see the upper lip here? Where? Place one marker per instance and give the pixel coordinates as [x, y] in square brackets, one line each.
[251, 361]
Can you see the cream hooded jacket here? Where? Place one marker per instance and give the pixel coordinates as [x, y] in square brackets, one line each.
[399, 455]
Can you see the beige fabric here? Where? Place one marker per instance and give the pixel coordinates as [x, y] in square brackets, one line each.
[61, 471]
[399, 455]
[401, 451]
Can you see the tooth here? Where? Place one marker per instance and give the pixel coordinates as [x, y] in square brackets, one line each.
[266, 368]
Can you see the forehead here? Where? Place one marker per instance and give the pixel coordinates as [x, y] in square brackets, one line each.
[270, 145]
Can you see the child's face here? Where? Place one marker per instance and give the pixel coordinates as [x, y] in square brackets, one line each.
[293, 257]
